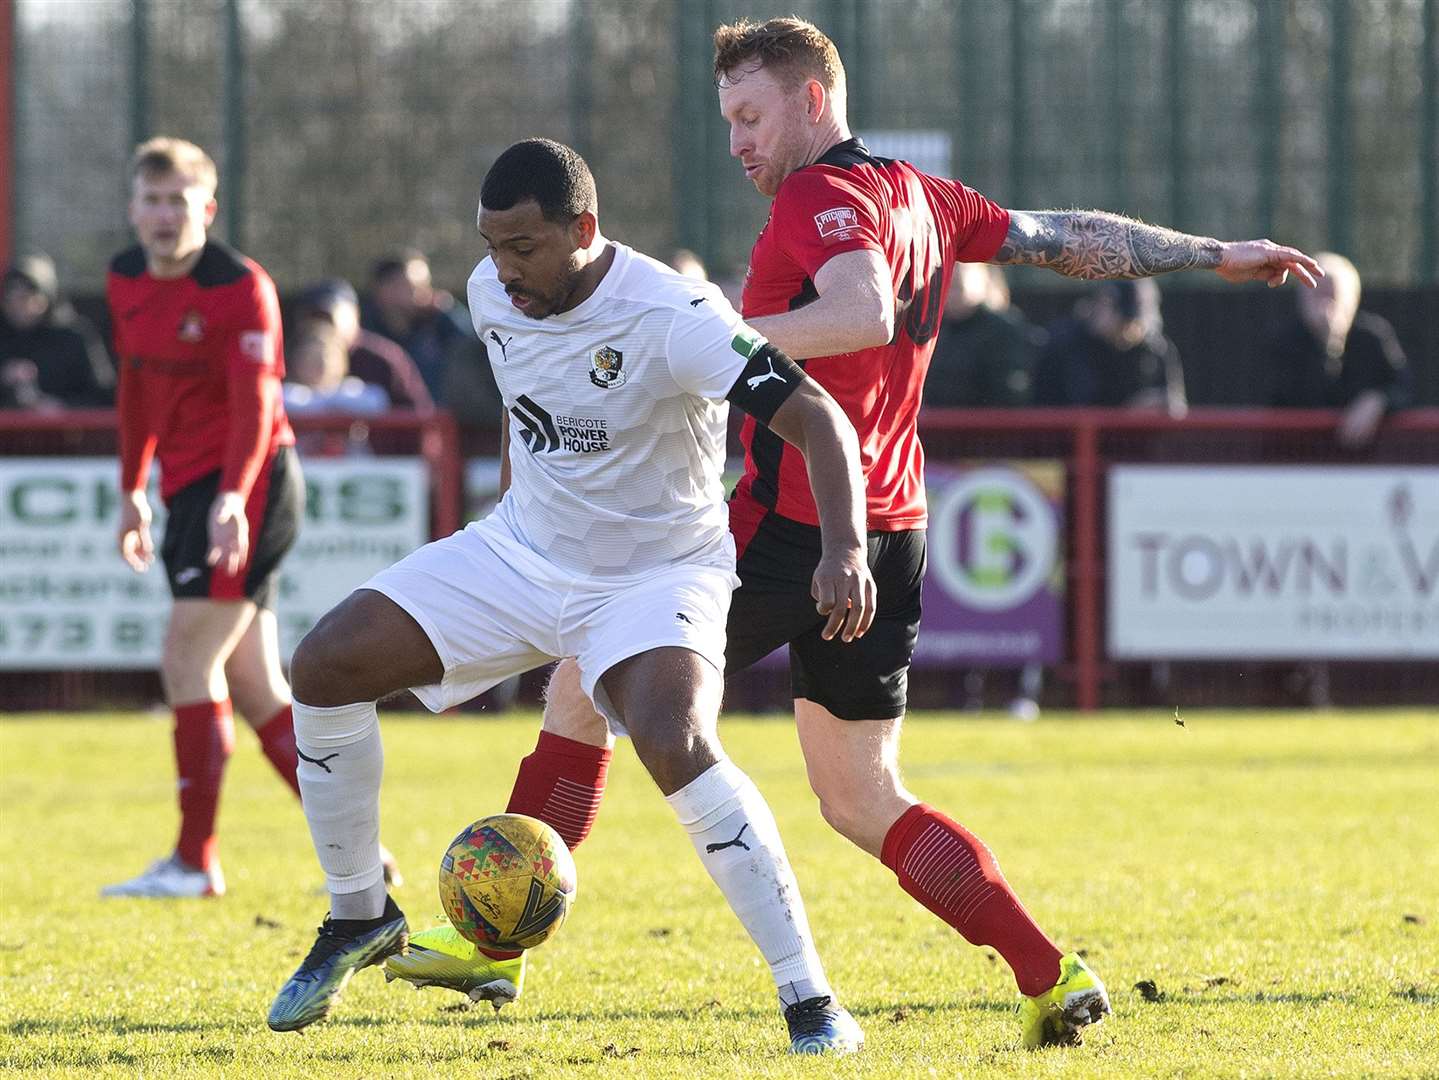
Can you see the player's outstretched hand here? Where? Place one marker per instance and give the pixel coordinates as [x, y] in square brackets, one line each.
[136, 546]
[1264, 260]
[229, 533]
[844, 590]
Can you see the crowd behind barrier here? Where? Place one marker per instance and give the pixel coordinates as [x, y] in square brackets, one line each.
[1042, 519]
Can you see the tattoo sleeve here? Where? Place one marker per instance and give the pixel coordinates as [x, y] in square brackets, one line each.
[1093, 245]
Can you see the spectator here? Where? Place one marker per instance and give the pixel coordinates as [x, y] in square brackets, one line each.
[319, 380]
[1113, 353]
[470, 390]
[686, 262]
[373, 359]
[404, 306]
[50, 357]
[1331, 355]
[986, 350]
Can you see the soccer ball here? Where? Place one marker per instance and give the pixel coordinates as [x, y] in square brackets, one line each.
[507, 882]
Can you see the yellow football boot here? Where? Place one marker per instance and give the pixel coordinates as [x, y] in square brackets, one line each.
[1059, 1016]
[441, 957]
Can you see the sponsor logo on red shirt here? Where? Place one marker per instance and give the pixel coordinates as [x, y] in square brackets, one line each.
[837, 223]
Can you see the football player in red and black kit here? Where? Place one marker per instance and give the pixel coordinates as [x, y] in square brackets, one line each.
[197, 334]
[849, 276]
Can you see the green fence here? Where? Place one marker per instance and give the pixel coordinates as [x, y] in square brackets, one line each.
[344, 128]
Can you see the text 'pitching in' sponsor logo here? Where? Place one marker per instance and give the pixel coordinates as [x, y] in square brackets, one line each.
[837, 223]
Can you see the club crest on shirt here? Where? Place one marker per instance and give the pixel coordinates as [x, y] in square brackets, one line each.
[837, 223]
[192, 327]
[607, 368]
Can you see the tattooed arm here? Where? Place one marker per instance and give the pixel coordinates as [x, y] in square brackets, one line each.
[1093, 245]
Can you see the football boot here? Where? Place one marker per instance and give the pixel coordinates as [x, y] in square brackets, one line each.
[1059, 1016]
[169, 878]
[343, 947]
[820, 1026]
[441, 957]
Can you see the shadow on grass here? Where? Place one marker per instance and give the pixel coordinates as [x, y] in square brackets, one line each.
[1419, 997]
[482, 1015]
[108, 1025]
[1266, 997]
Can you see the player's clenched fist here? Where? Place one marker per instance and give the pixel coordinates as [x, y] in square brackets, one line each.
[844, 589]
[136, 546]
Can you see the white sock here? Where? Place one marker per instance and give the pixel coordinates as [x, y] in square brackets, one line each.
[738, 841]
[341, 762]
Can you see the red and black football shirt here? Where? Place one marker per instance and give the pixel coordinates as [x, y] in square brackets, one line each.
[200, 366]
[849, 200]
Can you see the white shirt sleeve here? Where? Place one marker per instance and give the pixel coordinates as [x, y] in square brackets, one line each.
[709, 346]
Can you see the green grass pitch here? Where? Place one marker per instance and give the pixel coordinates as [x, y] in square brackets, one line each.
[1275, 877]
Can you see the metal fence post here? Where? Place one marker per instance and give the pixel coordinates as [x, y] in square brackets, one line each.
[9, 140]
[581, 76]
[1118, 92]
[1018, 105]
[1429, 146]
[1176, 17]
[1268, 107]
[963, 126]
[234, 124]
[139, 71]
[1339, 159]
[689, 135]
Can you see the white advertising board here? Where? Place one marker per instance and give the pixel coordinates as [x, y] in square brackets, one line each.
[67, 601]
[1273, 562]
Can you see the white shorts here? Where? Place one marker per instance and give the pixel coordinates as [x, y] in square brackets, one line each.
[493, 608]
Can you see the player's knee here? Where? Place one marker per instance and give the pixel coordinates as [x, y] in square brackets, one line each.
[322, 671]
[568, 711]
[673, 753]
[857, 807]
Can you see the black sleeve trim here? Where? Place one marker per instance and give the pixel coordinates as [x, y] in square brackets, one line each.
[766, 383]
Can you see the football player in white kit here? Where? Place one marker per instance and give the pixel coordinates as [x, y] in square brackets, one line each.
[611, 545]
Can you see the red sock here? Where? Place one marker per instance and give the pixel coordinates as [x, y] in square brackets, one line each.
[277, 740]
[950, 871]
[561, 783]
[204, 737]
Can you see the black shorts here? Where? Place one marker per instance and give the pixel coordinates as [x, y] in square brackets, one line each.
[276, 504]
[866, 679]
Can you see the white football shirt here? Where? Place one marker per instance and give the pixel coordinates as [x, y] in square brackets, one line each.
[617, 417]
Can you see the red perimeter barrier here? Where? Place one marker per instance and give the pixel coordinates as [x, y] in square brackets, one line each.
[1087, 441]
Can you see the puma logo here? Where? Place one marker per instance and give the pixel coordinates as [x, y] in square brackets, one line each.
[710, 849]
[697, 301]
[495, 337]
[318, 761]
[758, 380]
[187, 575]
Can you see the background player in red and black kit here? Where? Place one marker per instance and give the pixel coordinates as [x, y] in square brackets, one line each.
[197, 333]
[850, 275]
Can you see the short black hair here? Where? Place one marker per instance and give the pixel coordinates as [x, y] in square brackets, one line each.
[541, 169]
[395, 262]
